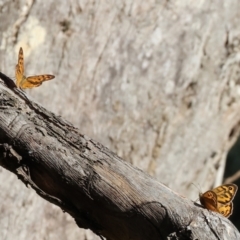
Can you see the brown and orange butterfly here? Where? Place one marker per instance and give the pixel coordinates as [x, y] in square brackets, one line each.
[28, 82]
[219, 199]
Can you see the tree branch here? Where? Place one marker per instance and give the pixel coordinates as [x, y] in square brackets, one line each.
[95, 186]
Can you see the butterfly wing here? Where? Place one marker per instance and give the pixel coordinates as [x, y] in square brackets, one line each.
[21, 60]
[225, 193]
[220, 199]
[226, 210]
[35, 81]
[19, 70]
[209, 200]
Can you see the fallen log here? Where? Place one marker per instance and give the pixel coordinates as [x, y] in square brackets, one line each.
[97, 188]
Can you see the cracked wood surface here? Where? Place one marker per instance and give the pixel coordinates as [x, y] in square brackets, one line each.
[95, 186]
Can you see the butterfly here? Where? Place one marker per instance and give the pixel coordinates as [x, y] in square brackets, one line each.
[219, 199]
[28, 82]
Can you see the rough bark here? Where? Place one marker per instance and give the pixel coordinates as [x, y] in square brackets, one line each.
[157, 82]
[95, 186]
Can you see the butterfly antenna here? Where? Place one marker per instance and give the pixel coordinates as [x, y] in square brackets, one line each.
[196, 186]
[197, 189]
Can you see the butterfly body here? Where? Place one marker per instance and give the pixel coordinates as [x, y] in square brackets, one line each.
[24, 82]
[219, 199]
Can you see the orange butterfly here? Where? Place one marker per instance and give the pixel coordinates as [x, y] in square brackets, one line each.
[219, 199]
[28, 82]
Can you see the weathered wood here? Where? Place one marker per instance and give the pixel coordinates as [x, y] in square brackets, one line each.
[95, 186]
